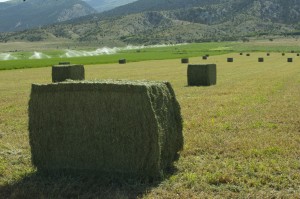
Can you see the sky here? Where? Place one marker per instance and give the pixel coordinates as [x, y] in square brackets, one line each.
[3, 0]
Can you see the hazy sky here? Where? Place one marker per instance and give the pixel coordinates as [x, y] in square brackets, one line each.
[3, 0]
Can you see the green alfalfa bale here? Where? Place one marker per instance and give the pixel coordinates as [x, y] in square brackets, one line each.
[61, 73]
[290, 60]
[260, 59]
[122, 61]
[126, 129]
[202, 75]
[184, 60]
[230, 59]
[64, 63]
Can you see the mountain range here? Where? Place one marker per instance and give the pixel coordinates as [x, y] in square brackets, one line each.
[176, 21]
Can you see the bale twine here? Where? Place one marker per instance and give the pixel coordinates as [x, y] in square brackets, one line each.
[230, 59]
[202, 75]
[204, 58]
[184, 60]
[289, 59]
[64, 63]
[130, 129]
[260, 59]
[61, 73]
[122, 61]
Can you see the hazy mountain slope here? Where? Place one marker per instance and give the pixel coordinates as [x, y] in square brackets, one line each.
[213, 20]
[19, 15]
[102, 5]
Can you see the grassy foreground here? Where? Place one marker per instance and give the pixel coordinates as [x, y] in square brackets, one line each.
[242, 136]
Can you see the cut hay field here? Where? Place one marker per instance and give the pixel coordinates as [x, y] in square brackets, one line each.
[242, 136]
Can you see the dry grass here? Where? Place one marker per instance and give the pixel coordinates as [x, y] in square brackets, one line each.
[242, 136]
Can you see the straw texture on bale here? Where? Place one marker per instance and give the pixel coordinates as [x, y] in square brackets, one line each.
[202, 75]
[122, 61]
[290, 60]
[260, 59]
[128, 129]
[61, 73]
[184, 60]
[229, 59]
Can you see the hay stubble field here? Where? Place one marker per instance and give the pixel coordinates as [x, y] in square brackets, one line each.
[242, 136]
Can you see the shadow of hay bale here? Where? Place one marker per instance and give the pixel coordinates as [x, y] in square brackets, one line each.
[37, 185]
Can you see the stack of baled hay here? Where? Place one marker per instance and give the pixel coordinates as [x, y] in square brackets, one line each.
[202, 74]
[63, 72]
[130, 129]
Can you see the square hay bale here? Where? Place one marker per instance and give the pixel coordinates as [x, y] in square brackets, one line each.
[289, 59]
[122, 61]
[204, 58]
[260, 59]
[248, 54]
[298, 54]
[184, 60]
[268, 54]
[61, 73]
[241, 53]
[126, 129]
[230, 59]
[283, 54]
[64, 63]
[202, 75]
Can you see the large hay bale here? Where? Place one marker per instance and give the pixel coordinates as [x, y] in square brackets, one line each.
[289, 59]
[202, 75]
[184, 60]
[61, 73]
[230, 59]
[122, 61]
[260, 59]
[129, 129]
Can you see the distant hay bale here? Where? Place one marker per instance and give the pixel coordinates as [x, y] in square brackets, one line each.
[64, 63]
[248, 54]
[268, 54]
[202, 75]
[204, 58]
[289, 59]
[260, 59]
[241, 53]
[61, 73]
[292, 51]
[207, 55]
[130, 129]
[122, 61]
[184, 60]
[230, 59]
[298, 54]
[283, 54]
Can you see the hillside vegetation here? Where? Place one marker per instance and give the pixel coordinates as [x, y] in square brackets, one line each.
[153, 22]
